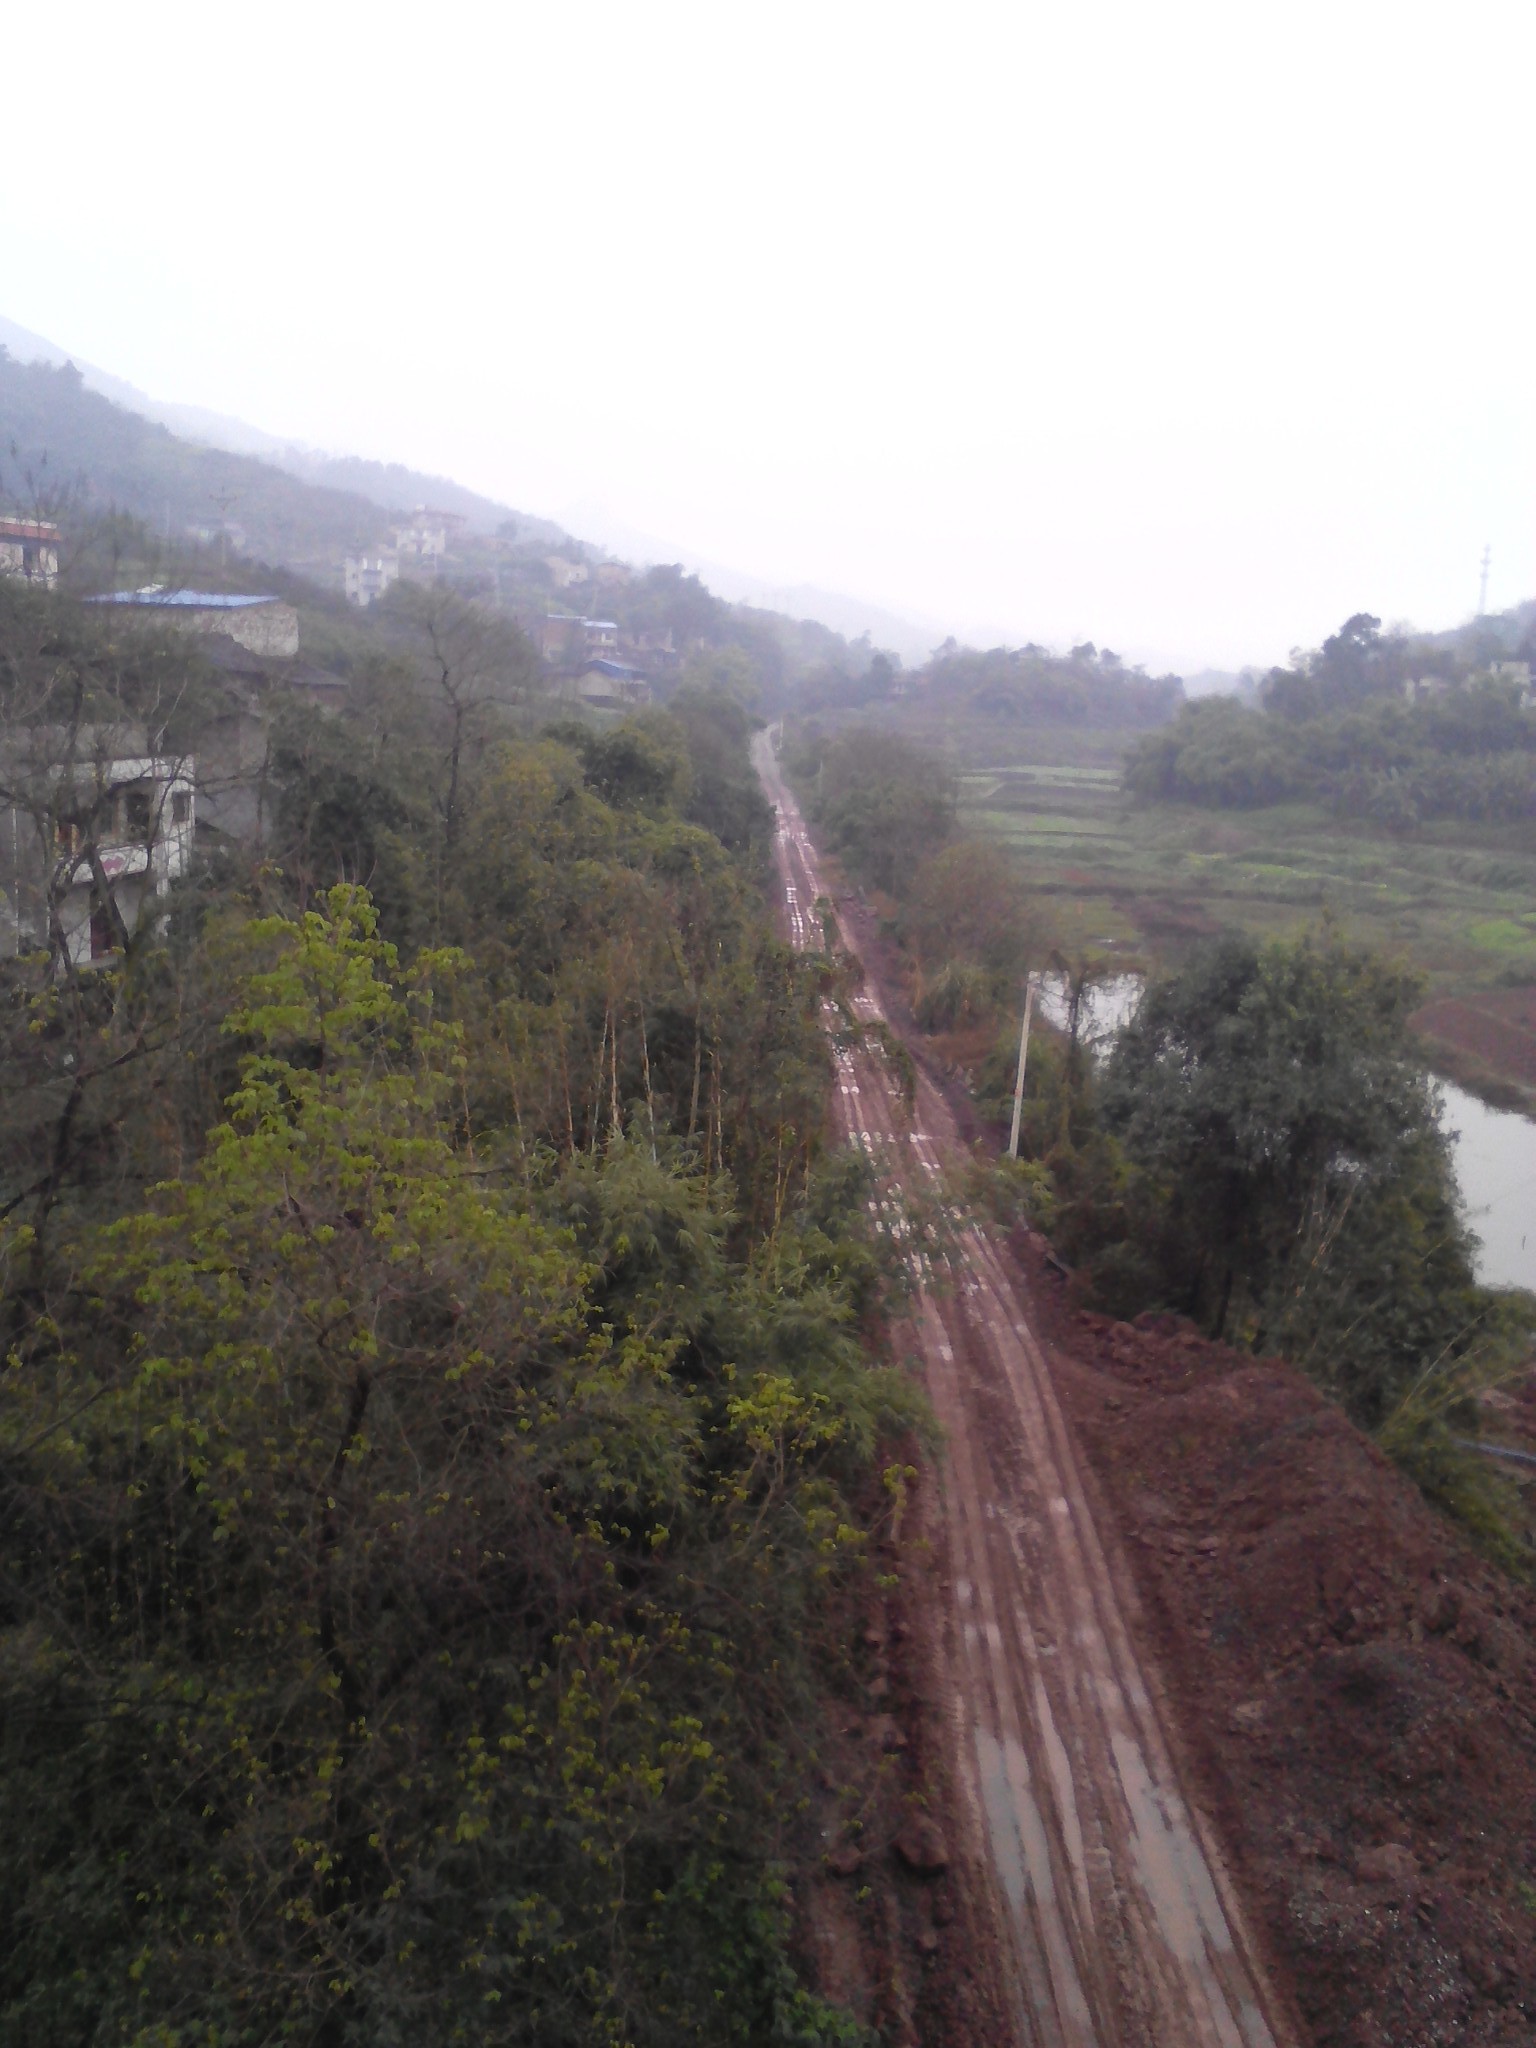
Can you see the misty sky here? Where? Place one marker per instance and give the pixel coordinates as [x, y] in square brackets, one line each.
[1185, 328]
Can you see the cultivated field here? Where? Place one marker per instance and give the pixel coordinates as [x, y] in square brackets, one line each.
[1458, 899]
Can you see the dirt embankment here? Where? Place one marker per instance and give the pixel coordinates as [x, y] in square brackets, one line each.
[1355, 1689]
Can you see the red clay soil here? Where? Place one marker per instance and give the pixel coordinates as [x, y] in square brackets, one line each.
[1355, 1690]
[893, 1907]
[1498, 1030]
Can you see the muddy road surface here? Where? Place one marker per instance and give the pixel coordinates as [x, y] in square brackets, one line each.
[1120, 1925]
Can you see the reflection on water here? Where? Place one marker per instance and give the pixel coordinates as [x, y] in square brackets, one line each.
[1495, 1153]
[1494, 1149]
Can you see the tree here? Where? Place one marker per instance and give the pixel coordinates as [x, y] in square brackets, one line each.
[886, 802]
[386, 1530]
[1299, 1180]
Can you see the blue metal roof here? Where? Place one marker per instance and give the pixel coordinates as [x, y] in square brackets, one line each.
[196, 600]
[613, 668]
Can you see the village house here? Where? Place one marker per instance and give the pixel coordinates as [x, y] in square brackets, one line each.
[91, 836]
[611, 684]
[653, 648]
[365, 578]
[263, 624]
[564, 639]
[563, 572]
[558, 636]
[235, 743]
[428, 535]
[30, 548]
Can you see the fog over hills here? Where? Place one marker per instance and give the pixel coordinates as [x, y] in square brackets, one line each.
[393, 486]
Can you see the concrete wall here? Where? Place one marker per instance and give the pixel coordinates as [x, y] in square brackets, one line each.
[271, 629]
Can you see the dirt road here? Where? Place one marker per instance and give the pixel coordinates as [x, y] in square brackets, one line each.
[1123, 1927]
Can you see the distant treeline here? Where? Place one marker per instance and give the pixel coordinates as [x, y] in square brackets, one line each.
[1028, 685]
[1338, 726]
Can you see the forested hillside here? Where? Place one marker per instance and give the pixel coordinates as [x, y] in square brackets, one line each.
[66, 449]
[438, 1457]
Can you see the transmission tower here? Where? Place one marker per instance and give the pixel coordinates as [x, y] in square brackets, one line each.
[1482, 588]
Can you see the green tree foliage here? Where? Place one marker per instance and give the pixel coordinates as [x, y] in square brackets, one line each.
[1289, 1183]
[1337, 728]
[434, 1414]
[885, 802]
[726, 797]
[973, 934]
[1219, 753]
[1087, 687]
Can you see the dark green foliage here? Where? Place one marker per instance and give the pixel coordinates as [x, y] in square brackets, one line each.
[884, 802]
[1338, 728]
[1087, 687]
[1284, 1177]
[726, 797]
[1220, 753]
[433, 1413]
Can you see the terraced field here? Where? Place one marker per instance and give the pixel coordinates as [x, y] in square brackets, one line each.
[1458, 900]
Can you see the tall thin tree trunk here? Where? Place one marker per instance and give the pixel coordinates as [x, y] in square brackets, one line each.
[1226, 1302]
[698, 1062]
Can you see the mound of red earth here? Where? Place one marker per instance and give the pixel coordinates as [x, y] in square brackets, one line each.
[1355, 1690]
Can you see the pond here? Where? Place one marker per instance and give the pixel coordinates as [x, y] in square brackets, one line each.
[1494, 1150]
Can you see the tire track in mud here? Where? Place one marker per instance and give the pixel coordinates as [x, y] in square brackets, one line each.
[1122, 1926]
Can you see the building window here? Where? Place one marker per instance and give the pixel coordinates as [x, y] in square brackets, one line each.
[181, 806]
[138, 811]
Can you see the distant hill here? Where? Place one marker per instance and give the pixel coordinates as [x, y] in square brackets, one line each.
[396, 488]
[388, 487]
[392, 487]
[62, 444]
[192, 422]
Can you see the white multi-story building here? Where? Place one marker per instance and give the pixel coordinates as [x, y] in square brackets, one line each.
[428, 534]
[83, 838]
[365, 578]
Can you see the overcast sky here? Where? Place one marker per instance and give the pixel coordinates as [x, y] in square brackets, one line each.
[1185, 328]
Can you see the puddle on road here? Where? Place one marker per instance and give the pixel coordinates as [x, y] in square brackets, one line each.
[1021, 1856]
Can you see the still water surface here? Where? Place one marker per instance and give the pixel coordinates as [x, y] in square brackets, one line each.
[1494, 1149]
[1495, 1152]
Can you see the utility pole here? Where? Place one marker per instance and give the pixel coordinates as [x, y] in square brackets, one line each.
[1018, 1087]
[1482, 588]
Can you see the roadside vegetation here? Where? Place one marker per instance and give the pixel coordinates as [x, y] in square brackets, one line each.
[439, 1453]
[1258, 1151]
